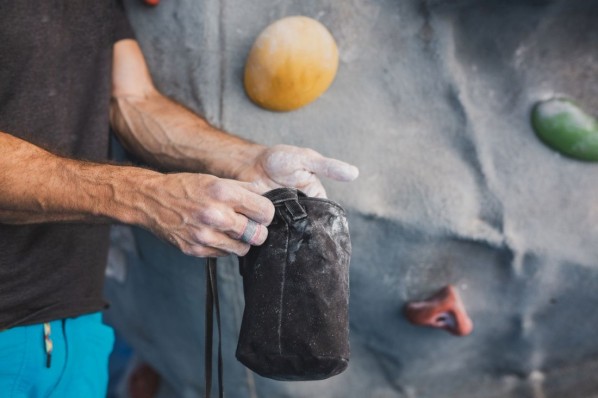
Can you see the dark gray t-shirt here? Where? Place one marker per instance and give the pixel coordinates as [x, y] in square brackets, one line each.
[55, 77]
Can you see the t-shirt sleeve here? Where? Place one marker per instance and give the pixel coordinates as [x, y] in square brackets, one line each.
[122, 28]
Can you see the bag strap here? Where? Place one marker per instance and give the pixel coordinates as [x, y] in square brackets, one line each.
[289, 198]
[211, 303]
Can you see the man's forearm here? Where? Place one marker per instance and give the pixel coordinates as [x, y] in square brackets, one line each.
[37, 186]
[201, 214]
[164, 133]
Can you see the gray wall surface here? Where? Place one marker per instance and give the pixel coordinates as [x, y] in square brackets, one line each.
[431, 102]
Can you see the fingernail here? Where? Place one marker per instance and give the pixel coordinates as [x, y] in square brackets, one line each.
[444, 310]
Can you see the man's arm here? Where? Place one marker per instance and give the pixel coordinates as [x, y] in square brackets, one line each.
[164, 133]
[37, 186]
[201, 214]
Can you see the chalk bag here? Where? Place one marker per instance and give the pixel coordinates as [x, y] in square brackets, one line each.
[296, 285]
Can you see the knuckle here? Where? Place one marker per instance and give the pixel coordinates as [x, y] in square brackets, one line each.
[203, 237]
[212, 216]
[218, 190]
[187, 249]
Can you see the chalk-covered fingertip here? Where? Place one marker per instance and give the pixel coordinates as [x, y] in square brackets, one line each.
[346, 173]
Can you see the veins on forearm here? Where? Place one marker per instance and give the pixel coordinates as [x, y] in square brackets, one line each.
[168, 135]
[145, 133]
[37, 186]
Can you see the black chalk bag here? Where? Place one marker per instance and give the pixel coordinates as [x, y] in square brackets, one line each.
[296, 286]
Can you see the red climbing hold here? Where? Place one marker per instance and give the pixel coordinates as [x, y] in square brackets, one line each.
[444, 310]
[144, 382]
[152, 3]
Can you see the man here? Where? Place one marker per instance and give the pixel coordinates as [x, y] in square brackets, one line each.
[60, 63]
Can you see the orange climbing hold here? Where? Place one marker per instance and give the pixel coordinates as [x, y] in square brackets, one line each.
[292, 62]
[444, 310]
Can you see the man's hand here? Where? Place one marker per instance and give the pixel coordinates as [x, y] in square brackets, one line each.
[163, 133]
[200, 214]
[290, 166]
[204, 216]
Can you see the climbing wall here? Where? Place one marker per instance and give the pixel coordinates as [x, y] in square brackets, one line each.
[432, 102]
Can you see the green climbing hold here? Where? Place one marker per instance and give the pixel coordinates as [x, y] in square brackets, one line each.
[565, 127]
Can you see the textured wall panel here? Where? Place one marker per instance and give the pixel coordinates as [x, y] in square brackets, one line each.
[431, 102]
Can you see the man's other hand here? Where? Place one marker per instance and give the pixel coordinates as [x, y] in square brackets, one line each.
[290, 166]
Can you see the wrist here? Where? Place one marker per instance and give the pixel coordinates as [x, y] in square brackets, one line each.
[123, 193]
[243, 162]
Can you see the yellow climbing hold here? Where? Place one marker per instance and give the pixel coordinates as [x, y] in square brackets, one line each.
[292, 62]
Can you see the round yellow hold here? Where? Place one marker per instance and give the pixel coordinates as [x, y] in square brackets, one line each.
[292, 62]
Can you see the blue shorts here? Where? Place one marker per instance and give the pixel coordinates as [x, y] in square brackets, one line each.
[78, 365]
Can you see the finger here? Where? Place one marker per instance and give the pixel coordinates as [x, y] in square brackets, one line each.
[332, 168]
[190, 247]
[254, 206]
[239, 227]
[253, 233]
[315, 189]
[219, 241]
[203, 251]
[225, 219]
[242, 197]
